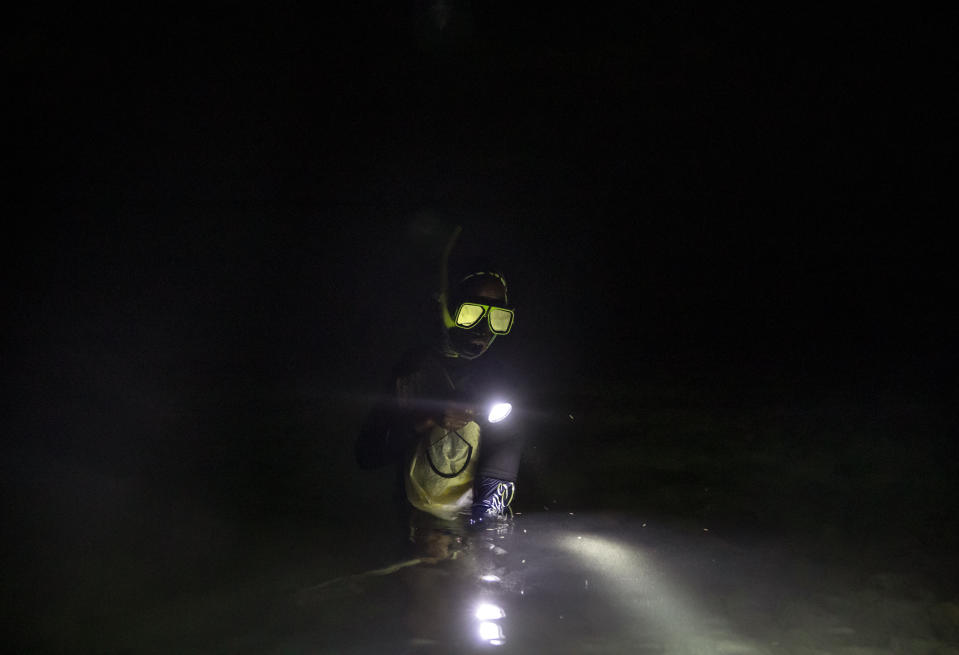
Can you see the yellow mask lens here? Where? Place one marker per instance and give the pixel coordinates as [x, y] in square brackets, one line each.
[469, 314]
[500, 320]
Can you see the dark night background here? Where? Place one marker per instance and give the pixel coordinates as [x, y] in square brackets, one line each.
[223, 224]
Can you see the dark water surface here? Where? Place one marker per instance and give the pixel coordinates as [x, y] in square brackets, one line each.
[659, 544]
[557, 583]
[658, 519]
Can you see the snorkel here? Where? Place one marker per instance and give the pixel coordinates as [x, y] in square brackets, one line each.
[443, 297]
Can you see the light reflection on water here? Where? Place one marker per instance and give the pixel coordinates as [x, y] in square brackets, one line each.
[540, 584]
[489, 612]
[545, 584]
[492, 633]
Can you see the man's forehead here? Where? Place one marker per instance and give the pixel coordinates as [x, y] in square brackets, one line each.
[483, 286]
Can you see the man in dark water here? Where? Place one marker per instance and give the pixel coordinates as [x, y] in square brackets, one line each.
[446, 423]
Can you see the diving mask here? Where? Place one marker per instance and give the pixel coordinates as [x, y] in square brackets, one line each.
[469, 314]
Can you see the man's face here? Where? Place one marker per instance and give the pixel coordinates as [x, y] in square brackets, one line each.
[476, 340]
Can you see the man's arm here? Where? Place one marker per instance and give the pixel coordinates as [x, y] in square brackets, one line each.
[390, 429]
[391, 426]
[385, 435]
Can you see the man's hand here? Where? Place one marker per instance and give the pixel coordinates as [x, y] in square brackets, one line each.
[454, 417]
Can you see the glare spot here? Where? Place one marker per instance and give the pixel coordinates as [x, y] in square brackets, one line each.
[489, 612]
[499, 411]
[490, 578]
[491, 632]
